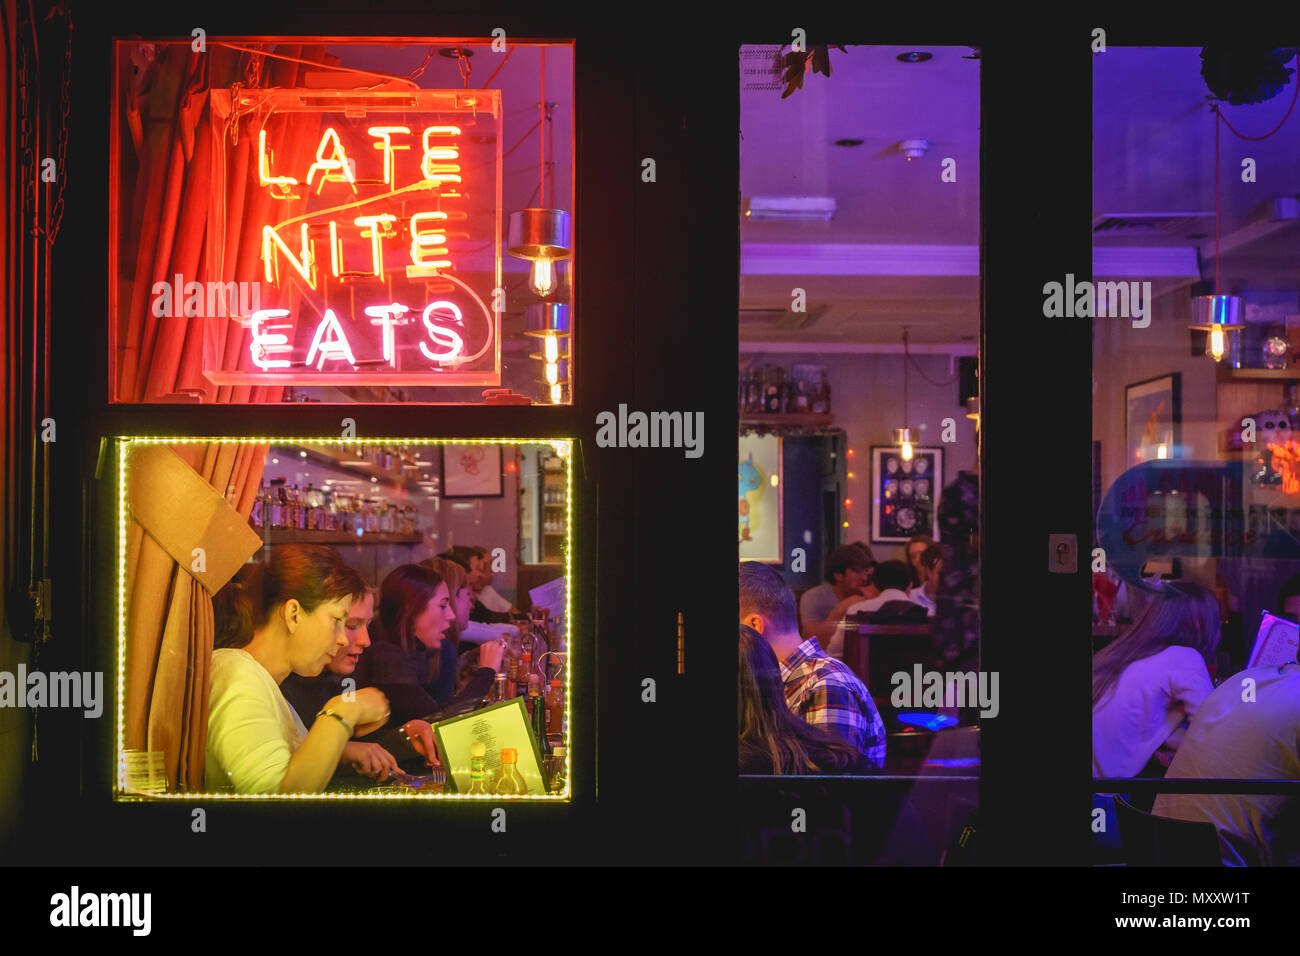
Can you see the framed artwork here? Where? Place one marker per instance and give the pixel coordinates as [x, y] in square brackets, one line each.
[759, 508]
[1152, 415]
[472, 471]
[905, 494]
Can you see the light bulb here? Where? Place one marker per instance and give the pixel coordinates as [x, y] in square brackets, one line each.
[555, 394]
[907, 451]
[1216, 349]
[542, 278]
[552, 373]
[552, 347]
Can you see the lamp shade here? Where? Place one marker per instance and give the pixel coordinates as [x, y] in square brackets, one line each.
[540, 234]
[1223, 311]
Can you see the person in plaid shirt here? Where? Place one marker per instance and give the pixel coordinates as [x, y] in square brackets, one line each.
[818, 688]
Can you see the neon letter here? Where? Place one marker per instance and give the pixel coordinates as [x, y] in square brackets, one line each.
[335, 166]
[385, 133]
[264, 164]
[305, 263]
[387, 316]
[376, 250]
[440, 172]
[336, 348]
[430, 242]
[454, 343]
[263, 343]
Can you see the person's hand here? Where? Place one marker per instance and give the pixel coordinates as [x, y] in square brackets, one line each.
[370, 760]
[490, 654]
[420, 734]
[370, 705]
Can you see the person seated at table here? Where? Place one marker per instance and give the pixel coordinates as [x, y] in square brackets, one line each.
[415, 609]
[848, 571]
[478, 565]
[819, 689]
[772, 739]
[377, 755]
[891, 579]
[464, 630]
[1246, 729]
[926, 594]
[916, 546]
[276, 618]
[1147, 683]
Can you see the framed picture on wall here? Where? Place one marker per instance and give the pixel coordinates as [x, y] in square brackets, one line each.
[1152, 416]
[905, 494]
[472, 471]
[759, 508]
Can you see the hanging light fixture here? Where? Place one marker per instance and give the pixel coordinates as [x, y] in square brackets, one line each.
[549, 321]
[1216, 314]
[541, 235]
[903, 436]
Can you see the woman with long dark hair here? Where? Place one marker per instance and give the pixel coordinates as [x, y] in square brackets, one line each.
[405, 662]
[276, 618]
[772, 739]
[1148, 682]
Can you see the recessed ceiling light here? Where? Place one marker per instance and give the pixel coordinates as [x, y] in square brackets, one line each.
[849, 142]
[915, 57]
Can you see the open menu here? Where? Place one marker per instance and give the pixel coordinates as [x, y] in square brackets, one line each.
[499, 726]
[1276, 642]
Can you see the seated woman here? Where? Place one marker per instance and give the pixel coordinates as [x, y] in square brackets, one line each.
[415, 610]
[285, 616]
[377, 755]
[772, 739]
[1147, 684]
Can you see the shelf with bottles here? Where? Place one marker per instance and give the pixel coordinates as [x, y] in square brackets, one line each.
[281, 509]
[767, 391]
[396, 465]
[294, 536]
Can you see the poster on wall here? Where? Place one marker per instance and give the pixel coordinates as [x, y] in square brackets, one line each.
[905, 493]
[471, 471]
[1151, 418]
[759, 508]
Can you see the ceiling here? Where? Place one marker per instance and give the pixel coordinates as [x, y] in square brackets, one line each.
[903, 247]
[1154, 152]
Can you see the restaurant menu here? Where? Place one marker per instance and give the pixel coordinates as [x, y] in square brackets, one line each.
[1276, 641]
[501, 725]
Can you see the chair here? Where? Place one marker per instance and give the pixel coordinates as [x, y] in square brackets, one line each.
[1150, 840]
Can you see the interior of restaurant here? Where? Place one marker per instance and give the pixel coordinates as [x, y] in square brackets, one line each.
[859, 333]
[1196, 397]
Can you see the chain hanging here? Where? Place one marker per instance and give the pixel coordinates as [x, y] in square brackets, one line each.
[56, 213]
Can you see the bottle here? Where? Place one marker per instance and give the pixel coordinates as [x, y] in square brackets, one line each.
[508, 781]
[498, 693]
[801, 397]
[534, 695]
[512, 678]
[822, 403]
[754, 401]
[255, 516]
[555, 708]
[771, 390]
[538, 714]
[477, 772]
[560, 772]
[277, 504]
[522, 675]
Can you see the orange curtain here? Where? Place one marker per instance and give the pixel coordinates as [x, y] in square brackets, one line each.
[169, 628]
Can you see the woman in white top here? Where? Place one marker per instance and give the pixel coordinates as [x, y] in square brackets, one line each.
[284, 616]
[1149, 682]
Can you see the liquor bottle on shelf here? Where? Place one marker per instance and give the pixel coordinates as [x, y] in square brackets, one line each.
[539, 717]
[560, 772]
[754, 400]
[508, 781]
[477, 773]
[278, 503]
[821, 400]
[255, 516]
[522, 675]
[512, 678]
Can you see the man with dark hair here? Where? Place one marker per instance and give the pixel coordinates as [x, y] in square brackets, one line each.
[931, 567]
[848, 571]
[818, 688]
[1288, 601]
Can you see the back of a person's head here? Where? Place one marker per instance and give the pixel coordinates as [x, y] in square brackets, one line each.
[1289, 590]
[1181, 613]
[931, 556]
[766, 725]
[893, 574]
[845, 558]
[453, 573]
[458, 555]
[405, 593]
[764, 592]
[311, 574]
[865, 549]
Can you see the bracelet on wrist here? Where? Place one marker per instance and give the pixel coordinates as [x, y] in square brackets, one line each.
[329, 712]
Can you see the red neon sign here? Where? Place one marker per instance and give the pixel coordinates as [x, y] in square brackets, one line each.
[378, 219]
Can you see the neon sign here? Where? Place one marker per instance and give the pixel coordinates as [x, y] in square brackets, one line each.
[377, 217]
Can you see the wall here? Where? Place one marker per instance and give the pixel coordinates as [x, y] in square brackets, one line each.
[867, 402]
